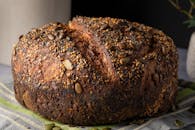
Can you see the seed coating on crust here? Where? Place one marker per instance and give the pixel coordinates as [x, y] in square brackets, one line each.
[95, 71]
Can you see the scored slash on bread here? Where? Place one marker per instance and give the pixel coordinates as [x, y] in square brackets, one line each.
[95, 49]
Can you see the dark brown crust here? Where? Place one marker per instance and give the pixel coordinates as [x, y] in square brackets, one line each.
[95, 71]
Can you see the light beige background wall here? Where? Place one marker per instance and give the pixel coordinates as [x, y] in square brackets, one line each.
[19, 16]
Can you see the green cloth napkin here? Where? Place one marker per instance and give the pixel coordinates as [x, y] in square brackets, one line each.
[21, 118]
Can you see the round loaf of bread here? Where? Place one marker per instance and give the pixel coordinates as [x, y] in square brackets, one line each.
[95, 71]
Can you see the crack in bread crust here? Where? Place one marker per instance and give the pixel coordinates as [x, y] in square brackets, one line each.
[96, 48]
